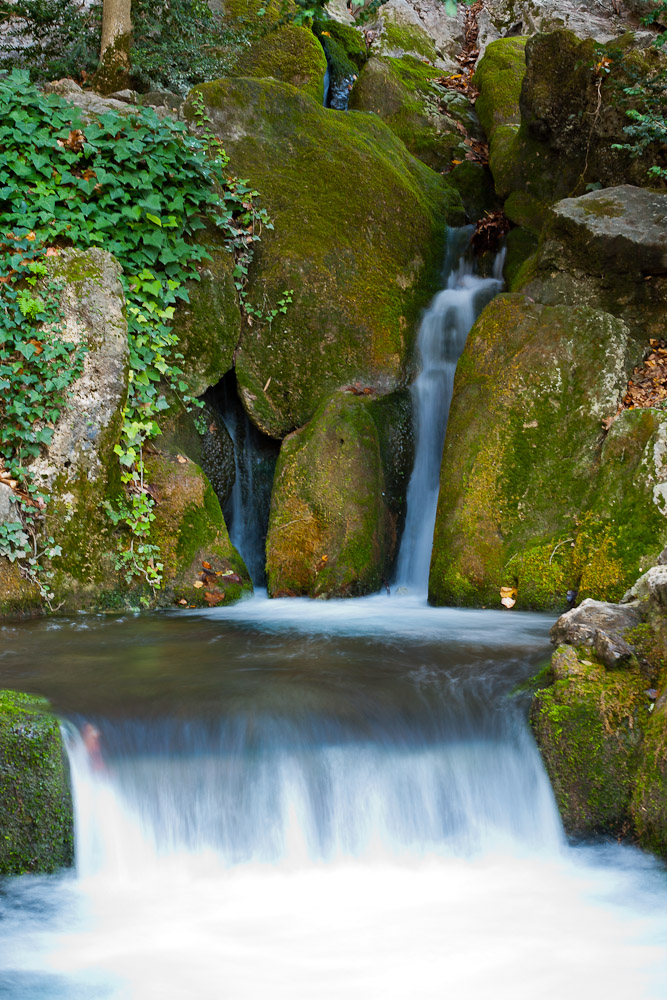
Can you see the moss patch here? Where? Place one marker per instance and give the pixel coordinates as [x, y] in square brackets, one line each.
[589, 726]
[498, 78]
[330, 531]
[291, 54]
[35, 803]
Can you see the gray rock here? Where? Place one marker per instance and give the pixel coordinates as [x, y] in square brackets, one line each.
[127, 96]
[91, 104]
[93, 307]
[8, 505]
[651, 586]
[617, 229]
[601, 627]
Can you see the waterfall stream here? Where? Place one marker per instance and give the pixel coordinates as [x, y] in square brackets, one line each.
[440, 341]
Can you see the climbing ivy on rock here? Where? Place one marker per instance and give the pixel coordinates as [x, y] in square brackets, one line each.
[142, 189]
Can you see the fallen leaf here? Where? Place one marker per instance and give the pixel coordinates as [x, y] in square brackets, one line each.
[206, 565]
[183, 601]
[213, 599]
[179, 458]
[198, 584]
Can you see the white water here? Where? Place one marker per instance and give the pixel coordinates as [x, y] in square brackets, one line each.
[440, 341]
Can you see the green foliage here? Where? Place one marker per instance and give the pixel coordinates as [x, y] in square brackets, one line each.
[175, 43]
[648, 129]
[141, 188]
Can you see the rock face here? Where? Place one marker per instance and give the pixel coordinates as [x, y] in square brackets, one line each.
[331, 532]
[601, 724]
[35, 803]
[358, 270]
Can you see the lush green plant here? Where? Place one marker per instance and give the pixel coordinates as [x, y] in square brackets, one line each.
[648, 129]
[175, 43]
[141, 188]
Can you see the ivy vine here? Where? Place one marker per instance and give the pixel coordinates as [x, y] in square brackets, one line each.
[142, 188]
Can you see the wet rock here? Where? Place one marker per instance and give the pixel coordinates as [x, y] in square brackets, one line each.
[35, 802]
[330, 530]
[358, 270]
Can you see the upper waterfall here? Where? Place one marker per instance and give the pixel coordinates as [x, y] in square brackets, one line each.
[440, 341]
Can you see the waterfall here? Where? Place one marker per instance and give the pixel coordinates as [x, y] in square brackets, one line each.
[247, 509]
[440, 341]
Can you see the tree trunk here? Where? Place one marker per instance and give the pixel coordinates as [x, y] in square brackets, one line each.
[114, 70]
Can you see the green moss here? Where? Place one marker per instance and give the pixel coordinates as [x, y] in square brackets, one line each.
[525, 210]
[406, 94]
[360, 271]
[475, 185]
[348, 38]
[291, 54]
[209, 325]
[589, 726]
[35, 803]
[330, 531]
[521, 244]
[190, 531]
[498, 78]
[407, 39]
[522, 465]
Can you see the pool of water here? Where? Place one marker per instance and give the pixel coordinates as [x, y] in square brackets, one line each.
[307, 799]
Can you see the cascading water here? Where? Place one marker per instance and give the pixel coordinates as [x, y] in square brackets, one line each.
[440, 341]
[247, 510]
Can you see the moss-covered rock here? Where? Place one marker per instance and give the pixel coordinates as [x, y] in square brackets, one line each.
[589, 725]
[35, 803]
[330, 531]
[289, 53]
[529, 495]
[209, 325]
[201, 435]
[347, 37]
[401, 32]
[201, 566]
[474, 182]
[360, 271]
[405, 94]
[498, 78]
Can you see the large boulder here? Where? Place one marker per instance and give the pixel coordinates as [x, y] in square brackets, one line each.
[35, 801]
[533, 494]
[331, 530]
[79, 469]
[358, 270]
[498, 77]
[289, 53]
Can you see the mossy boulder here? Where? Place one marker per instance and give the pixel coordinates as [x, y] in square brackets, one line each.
[348, 38]
[201, 566]
[532, 495]
[498, 78]
[289, 53]
[35, 803]
[405, 94]
[331, 533]
[588, 725]
[202, 436]
[359, 270]
[402, 32]
[209, 324]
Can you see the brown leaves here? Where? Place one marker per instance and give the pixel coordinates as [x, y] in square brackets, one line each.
[214, 598]
[508, 596]
[74, 141]
[648, 385]
[358, 389]
[489, 231]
